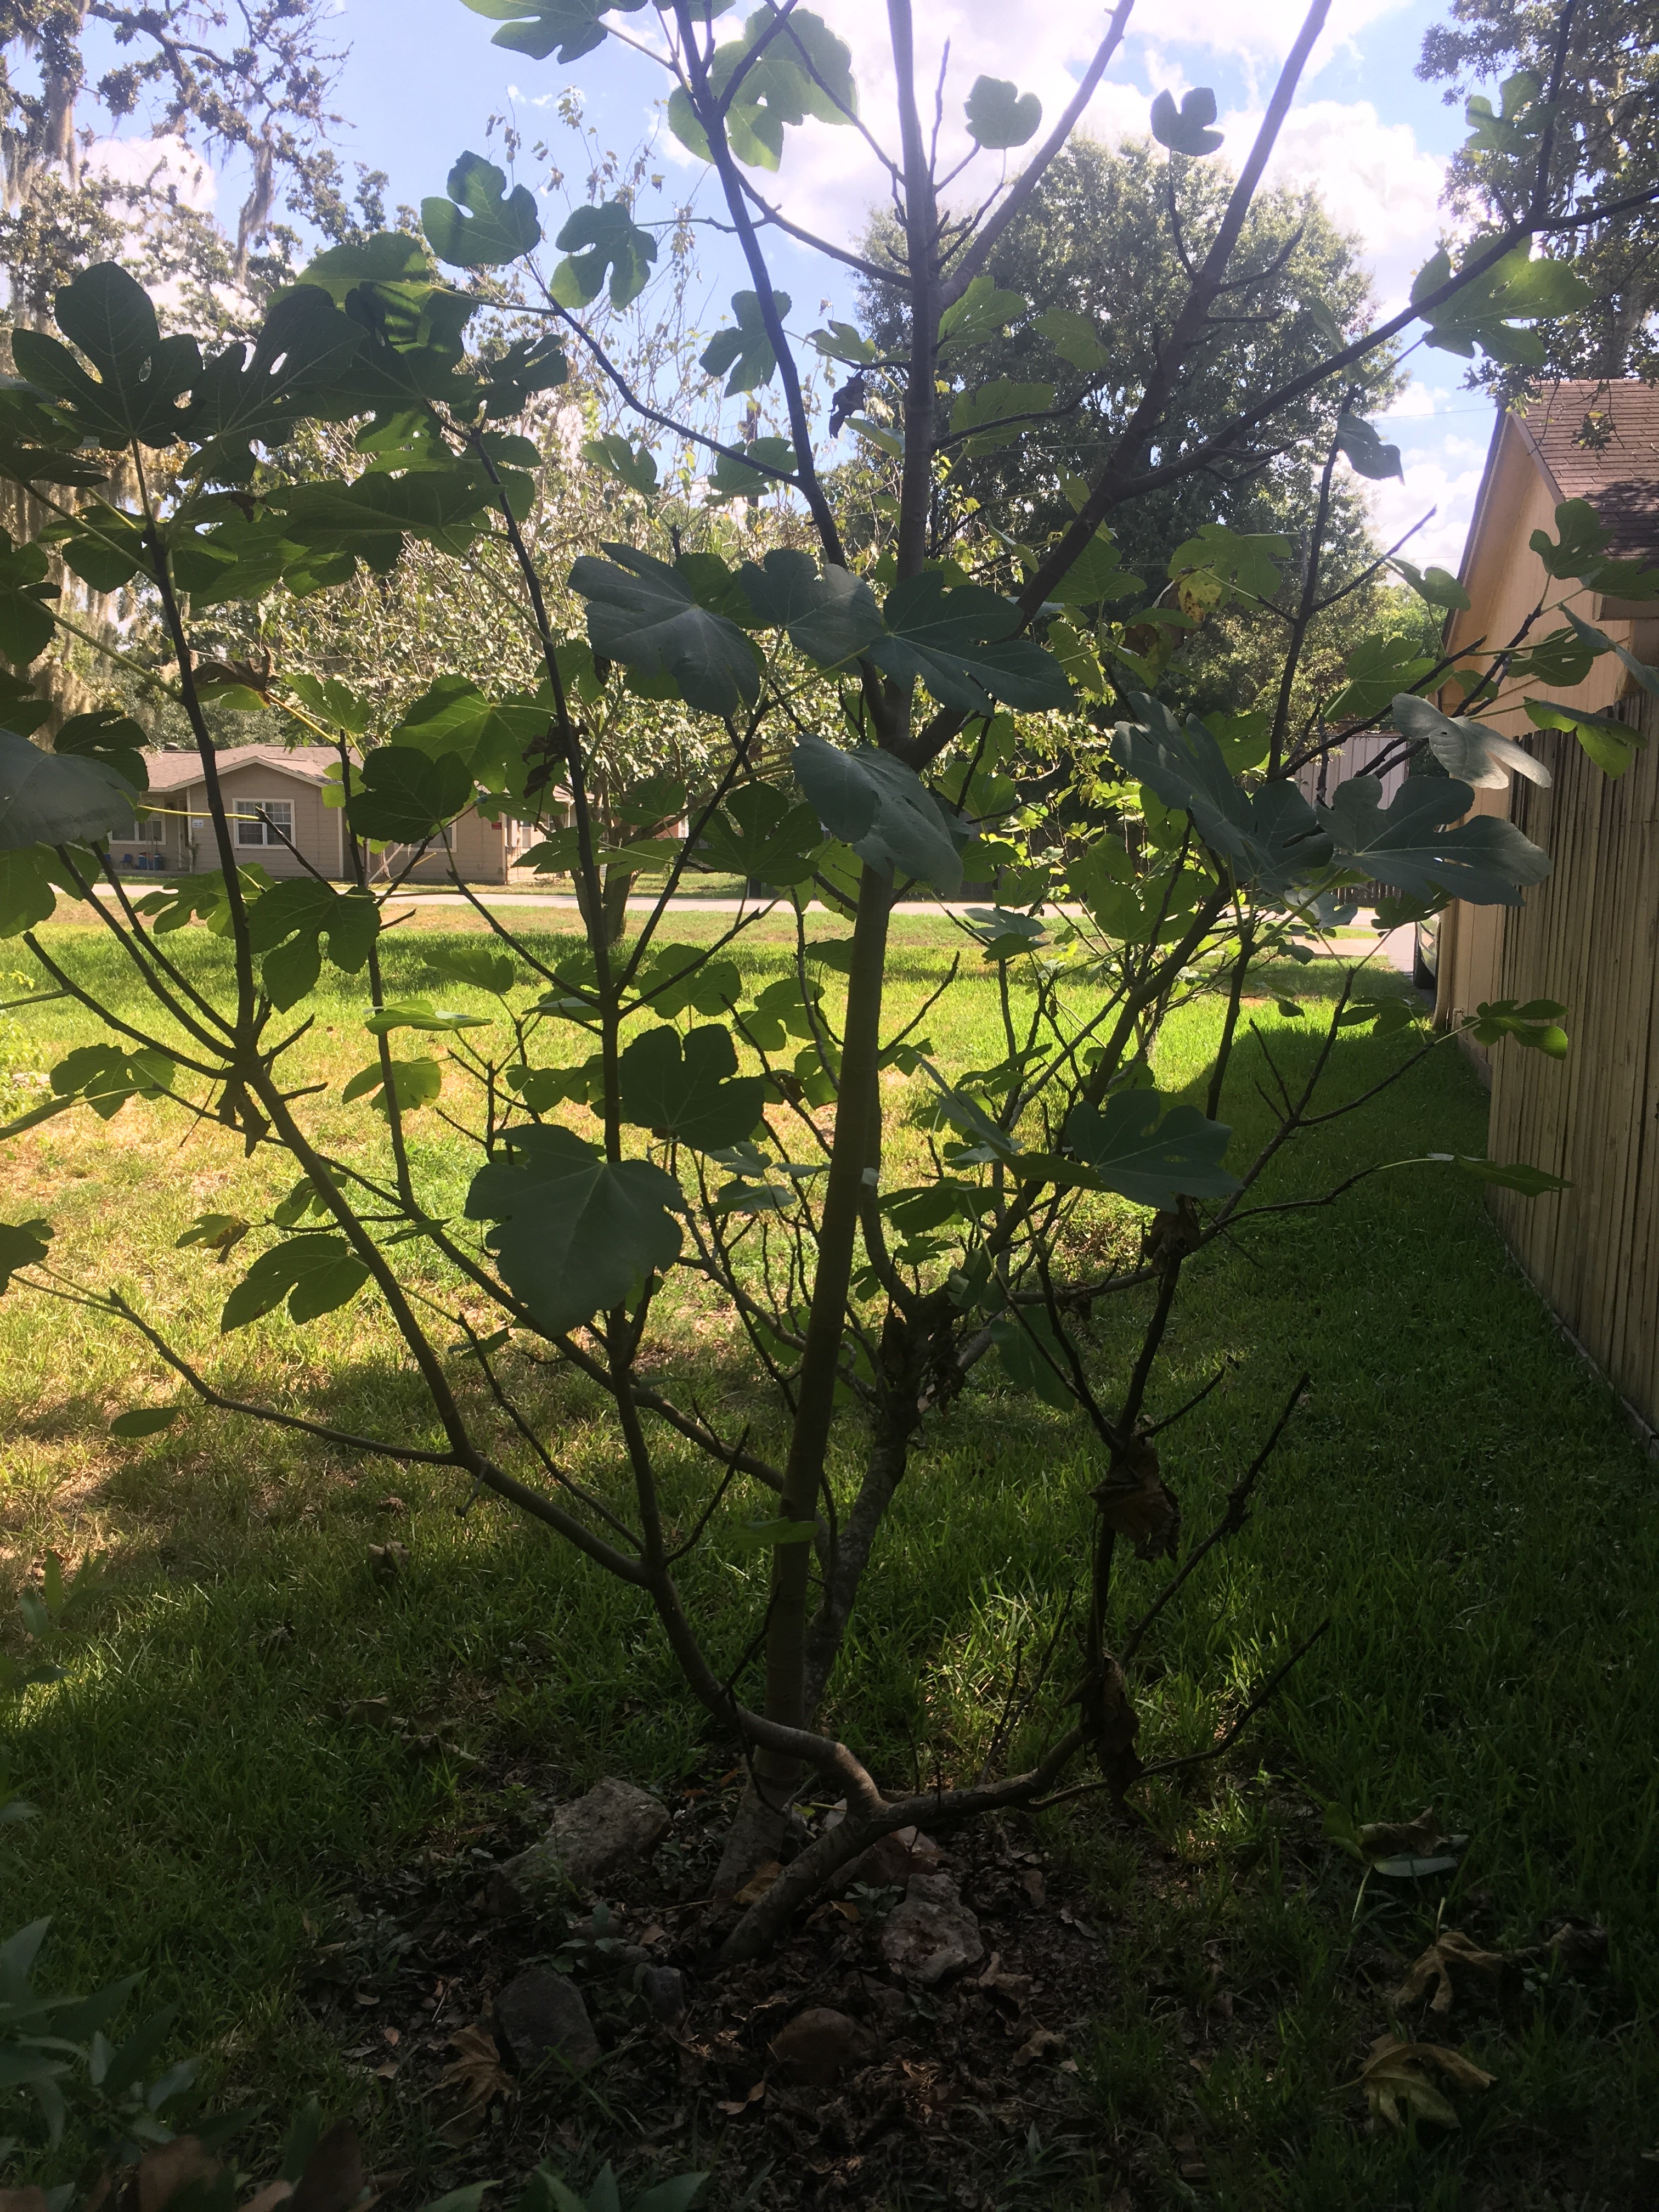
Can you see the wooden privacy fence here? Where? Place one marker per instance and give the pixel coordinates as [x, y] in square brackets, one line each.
[1590, 938]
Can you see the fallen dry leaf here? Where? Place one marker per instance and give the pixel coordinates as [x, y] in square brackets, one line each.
[1419, 1838]
[758, 1883]
[1136, 1502]
[1041, 2042]
[478, 2072]
[266, 2199]
[733, 2106]
[1395, 2083]
[1451, 1948]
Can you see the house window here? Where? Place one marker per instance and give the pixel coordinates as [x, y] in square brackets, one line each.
[148, 830]
[263, 821]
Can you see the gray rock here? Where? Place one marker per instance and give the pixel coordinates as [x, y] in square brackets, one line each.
[614, 1824]
[817, 2045]
[664, 1989]
[932, 1933]
[543, 2019]
[891, 1860]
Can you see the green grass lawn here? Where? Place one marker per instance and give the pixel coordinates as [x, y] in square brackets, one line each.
[1458, 1495]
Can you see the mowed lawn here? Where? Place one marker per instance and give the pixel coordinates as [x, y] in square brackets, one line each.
[1459, 1496]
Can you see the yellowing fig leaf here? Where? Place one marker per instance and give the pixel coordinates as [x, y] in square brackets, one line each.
[1397, 2084]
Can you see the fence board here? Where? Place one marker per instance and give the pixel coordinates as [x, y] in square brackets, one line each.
[1589, 936]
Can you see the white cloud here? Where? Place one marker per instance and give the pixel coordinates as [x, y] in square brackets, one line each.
[1442, 472]
[161, 162]
[1374, 179]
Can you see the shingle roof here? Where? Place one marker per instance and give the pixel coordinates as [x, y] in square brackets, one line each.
[174, 771]
[1601, 442]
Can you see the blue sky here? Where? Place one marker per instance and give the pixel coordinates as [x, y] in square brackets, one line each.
[423, 77]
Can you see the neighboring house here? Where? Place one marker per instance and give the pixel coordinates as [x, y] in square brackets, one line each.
[275, 797]
[1582, 441]
[1588, 937]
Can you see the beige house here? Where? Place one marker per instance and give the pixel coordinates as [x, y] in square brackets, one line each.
[1588, 937]
[279, 819]
[1598, 442]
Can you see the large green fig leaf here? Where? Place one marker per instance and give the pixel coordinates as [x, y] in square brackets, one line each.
[1365, 449]
[1271, 836]
[1186, 130]
[996, 413]
[880, 807]
[576, 1232]
[597, 238]
[141, 377]
[371, 517]
[288, 925]
[745, 350]
[26, 620]
[962, 645]
[643, 613]
[1412, 845]
[1466, 748]
[23, 1244]
[314, 1274]
[106, 734]
[760, 835]
[305, 346]
[692, 1093]
[49, 799]
[1151, 1156]
[831, 617]
[999, 115]
[105, 1076]
[804, 70]
[565, 29]
[31, 876]
[406, 796]
[481, 225]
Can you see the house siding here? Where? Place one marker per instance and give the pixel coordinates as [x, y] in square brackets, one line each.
[189, 846]
[1501, 576]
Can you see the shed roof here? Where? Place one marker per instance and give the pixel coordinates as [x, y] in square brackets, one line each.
[176, 770]
[1600, 441]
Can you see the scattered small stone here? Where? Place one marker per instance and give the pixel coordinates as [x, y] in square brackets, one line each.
[664, 1990]
[888, 2004]
[542, 2016]
[1032, 1883]
[612, 1825]
[932, 1933]
[817, 2045]
[1041, 2042]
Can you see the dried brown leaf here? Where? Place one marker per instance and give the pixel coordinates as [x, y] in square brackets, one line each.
[478, 2072]
[1136, 1503]
[1450, 1949]
[1395, 2083]
[1417, 1838]
[267, 2199]
[758, 1883]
